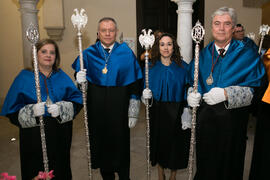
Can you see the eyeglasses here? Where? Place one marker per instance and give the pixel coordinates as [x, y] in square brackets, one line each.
[239, 31]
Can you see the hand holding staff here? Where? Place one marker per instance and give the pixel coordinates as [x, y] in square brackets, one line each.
[79, 20]
[197, 35]
[147, 41]
[32, 35]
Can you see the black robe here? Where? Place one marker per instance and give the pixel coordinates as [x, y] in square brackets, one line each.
[223, 131]
[58, 142]
[169, 143]
[108, 125]
[261, 149]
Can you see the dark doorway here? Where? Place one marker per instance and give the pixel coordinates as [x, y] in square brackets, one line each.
[162, 15]
[198, 14]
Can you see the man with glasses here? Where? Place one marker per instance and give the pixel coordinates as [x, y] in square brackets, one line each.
[239, 32]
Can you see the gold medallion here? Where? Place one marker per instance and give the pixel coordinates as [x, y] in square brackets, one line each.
[210, 80]
[104, 70]
[48, 101]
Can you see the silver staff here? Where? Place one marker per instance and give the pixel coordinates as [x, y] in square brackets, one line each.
[79, 21]
[264, 29]
[197, 35]
[147, 40]
[32, 35]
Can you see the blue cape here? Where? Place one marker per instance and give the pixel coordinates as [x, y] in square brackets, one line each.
[23, 90]
[167, 83]
[123, 68]
[241, 66]
[250, 43]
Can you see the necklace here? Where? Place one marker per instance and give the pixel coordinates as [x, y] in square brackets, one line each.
[210, 79]
[48, 100]
[166, 62]
[105, 69]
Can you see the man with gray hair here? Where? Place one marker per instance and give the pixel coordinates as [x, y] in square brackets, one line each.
[228, 72]
[113, 76]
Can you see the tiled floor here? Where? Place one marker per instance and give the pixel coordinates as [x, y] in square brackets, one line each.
[9, 151]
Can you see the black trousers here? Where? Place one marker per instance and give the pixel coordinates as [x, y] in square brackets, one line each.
[123, 174]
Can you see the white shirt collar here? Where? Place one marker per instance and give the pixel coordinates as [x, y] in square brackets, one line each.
[225, 48]
[111, 46]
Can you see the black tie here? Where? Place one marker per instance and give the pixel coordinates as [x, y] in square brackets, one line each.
[221, 52]
[108, 50]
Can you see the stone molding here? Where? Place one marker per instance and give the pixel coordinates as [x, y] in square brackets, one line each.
[54, 19]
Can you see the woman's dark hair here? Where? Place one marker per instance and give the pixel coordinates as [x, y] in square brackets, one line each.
[44, 42]
[155, 52]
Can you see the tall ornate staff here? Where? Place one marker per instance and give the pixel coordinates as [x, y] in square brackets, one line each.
[197, 35]
[32, 35]
[264, 29]
[79, 21]
[147, 40]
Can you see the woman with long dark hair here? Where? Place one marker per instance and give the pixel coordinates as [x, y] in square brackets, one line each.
[169, 136]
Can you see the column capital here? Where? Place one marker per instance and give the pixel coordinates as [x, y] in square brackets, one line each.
[36, 1]
[28, 6]
[28, 1]
[183, 1]
[184, 6]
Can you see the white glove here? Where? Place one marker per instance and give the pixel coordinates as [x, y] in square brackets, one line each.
[81, 76]
[147, 93]
[132, 122]
[54, 110]
[193, 99]
[39, 109]
[214, 96]
[186, 118]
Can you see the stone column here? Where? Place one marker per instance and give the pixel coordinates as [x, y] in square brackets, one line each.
[28, 15]
[184, 25]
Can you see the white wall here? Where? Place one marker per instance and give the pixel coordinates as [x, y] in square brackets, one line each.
[10, 45]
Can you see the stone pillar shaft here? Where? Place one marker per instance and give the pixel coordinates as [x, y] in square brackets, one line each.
[28, 15]
[184, 25]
